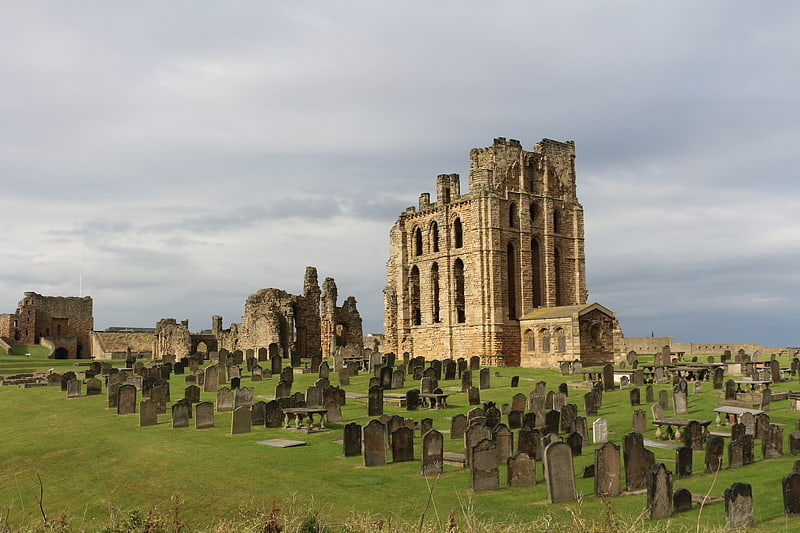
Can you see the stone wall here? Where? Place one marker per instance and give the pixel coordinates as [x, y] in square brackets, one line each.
[111, 345]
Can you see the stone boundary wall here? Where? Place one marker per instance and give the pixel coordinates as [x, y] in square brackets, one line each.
[650, 345]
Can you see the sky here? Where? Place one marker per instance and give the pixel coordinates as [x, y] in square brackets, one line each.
[171, 158]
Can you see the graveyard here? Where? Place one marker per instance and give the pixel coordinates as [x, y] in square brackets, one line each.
[67, 453]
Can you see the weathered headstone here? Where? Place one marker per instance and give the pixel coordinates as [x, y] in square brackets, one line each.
[714, 450]
[402, 444]
[682, 500]
[483, 467]
[241, 421]
[683, 462]
[659, 492]
[607, 470]
[224, 399]
[639, 422]
[739, 506]
[432, 453]
[772, 442]
[521, 470]
[374, 441]
[126, 399]
[180, 415]
[204, 415]
[791, 494]
[147, 413]
[472, 436]
[608, 378]
[638, 461]
[558, 473]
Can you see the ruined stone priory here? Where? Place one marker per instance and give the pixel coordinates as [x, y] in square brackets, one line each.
[499, 270]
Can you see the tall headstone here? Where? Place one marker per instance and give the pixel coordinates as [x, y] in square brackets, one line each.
[352, 440]
[639, 422]
[241, 421]
[375, 401]
[402, 443]
[659, 492]
[600, 431]
[558, 473]
[484, 470]
[432, 453]
[683, 462]
[791, 494]
[204, 415]
[607, 470]
[638, 461]
[374, 441]
[521, 470]
[180, 415]
[126, 400]
[147, 413]
[608, 378]
[714, 450]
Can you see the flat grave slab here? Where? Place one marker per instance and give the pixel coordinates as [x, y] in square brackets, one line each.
[282, 443]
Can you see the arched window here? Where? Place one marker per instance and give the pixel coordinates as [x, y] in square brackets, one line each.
[530, 341]
[414, 299]
[512, 282]
[557, 265]
[458, 277]
[435, 292]
[556, 221]
[434, 236]
[512, 215]
[536, 273]
[417, 241]
[534, 213]
[544, 340]
[458, 238]
[561, 341]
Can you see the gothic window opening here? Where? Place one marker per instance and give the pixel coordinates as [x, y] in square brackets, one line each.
[532, 211]
[557, 264]
[556, 221]
[458, 238]
[434, 237]
[530, 341]
[414, 299]
[512, 282]
[435, 292]
[536, 273]
[561, 341]
[544, 340]
[512, 215]
[460, 301]
[417, 241]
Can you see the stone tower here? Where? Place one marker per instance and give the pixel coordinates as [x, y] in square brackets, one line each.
[465, 268]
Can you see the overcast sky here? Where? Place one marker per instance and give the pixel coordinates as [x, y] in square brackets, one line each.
[171, 158]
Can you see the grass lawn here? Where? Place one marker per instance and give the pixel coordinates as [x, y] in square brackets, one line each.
[91, 461]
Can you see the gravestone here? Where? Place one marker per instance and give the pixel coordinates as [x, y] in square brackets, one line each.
[258, 413]
[736, 452]
[484, 379]
[558, 473]
[386, 374]
[794, 443]
[608, 378]
[515, 419]
[698, 387]
[273, 417]
[514, 381]
[243, 397]
[568, 414]
[458, 424]
[374, 441]
[719, 375]
[504, 439]
[224, 399]
[682, 500]
[607, 470]
[693, 435]
[680, 402]
[432, 453]
[762, 423]
[683, 462]
[791, 494]
[241, 421]
[398, 378]
[112, 395]
[730, 390]
[352, 440]
[192, 393]
[147, 413]
[204, 415]
[600, 431]
[579, 427]
[180, 415]
[638, 461]
[483, 466]
[450, 370]
[474, 396]
[749, 423]
[375, 402]
[634, 397]
[766, 398]
[475, 362]
[639, 422]
[211, 379]
[590, 403]
[126, 400]
[624, 381]
[521, 470]
[663, 399]
[74, 387]
[739, 506]
[518, 402]
[772, 442]
[402, 444]
[493, 415]
[529, 441]
[559, 401]
[648, 394]
[529, 420]
[575, 442]
[638, 378]
[659, 492]
[94, 387]
[714, 450]
[283, 389]
[552, 421]
[472, 436]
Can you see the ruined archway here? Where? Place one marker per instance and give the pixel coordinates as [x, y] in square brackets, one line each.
[61, 353]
